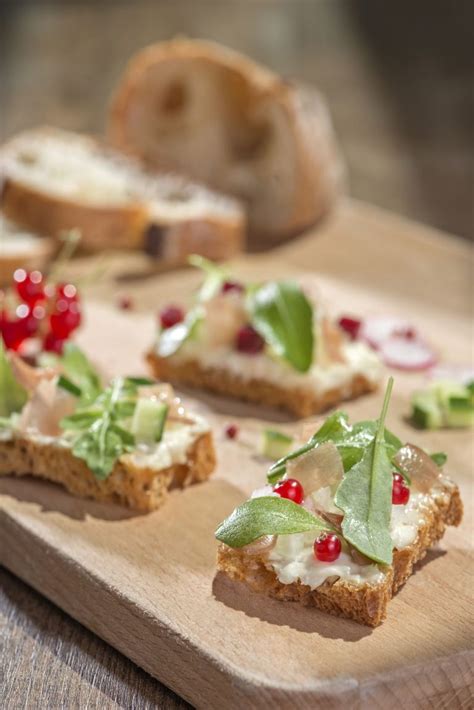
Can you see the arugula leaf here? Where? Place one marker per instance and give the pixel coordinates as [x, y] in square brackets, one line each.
[103, 440]
[215, 276]
[364, 495]
[335, 426]
[69, 386]
[439, 458]
[284, 318]
[267, 515]
[171, 339]
[80, 372]
[12, 395]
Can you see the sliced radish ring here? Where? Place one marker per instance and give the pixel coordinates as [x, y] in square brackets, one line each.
[405, 353]
[376, 330]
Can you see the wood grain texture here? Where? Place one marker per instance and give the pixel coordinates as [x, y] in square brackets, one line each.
[48, 660]
[147, 584]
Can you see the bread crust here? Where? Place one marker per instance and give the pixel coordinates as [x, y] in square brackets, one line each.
[119, 226]
[139, 488]
[318, 167]
[298, 401]
[367, 603]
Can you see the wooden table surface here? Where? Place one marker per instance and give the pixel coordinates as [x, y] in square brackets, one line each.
[49, 660]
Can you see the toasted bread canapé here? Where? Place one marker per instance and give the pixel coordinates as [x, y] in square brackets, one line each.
[341, 522]
[128, 442]
[271, 343]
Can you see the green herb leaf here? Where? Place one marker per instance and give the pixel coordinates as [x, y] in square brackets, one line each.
[12, 395]
[69, 386]
[439, 458]
[80, 372]
[171, 339]
[268, 515]
[365, 497]
[284, 318]
[103, 440]
[215, 276]
[140, 381]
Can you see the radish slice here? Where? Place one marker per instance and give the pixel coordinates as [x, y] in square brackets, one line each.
[376, 330]
[407, 354]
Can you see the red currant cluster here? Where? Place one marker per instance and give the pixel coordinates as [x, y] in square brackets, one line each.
[45, 311]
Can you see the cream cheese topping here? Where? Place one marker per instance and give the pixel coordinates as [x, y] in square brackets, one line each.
[360, 360]
[172, 449]
[292, 558]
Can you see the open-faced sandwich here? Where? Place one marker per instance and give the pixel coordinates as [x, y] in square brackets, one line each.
[342, 520]
[129, 441]
[269, 343]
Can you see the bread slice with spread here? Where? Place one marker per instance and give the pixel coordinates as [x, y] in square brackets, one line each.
[56, 180]
[270, 343]
[127, 442]
[342, 520]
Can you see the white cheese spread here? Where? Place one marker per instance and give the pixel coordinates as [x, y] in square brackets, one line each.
[360, 360]
[293, 560]
[172, 449]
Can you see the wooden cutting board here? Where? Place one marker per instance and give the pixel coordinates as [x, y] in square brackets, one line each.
[147, 583]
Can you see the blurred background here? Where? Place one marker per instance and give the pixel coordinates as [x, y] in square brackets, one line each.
[398, 78]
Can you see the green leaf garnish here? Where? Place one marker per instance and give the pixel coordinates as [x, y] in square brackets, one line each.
[215, 276]
[364, 495]
[171, 339]
[101, 439]
[268, 515]
[439, 458]
[283, 316]
[78, 370]
[12, 395]
[66, 384]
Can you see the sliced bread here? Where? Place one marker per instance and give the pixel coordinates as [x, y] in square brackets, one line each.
[213, 114]
[55, 180]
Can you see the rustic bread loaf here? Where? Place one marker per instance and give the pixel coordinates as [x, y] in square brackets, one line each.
[208, 112]
[55, 180]
[364, 603]
[137, 487]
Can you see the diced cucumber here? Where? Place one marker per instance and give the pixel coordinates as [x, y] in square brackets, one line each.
[426, 412]
[148, 421]
[275, 444]
[460, 412]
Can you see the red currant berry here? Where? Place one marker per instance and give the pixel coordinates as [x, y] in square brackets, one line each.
[29, 285]
[327, 547]
[350, 325]
[291, 489]
[125, 303]
[171, 315]
[400, 490]
[232, 286]
[231, 431]
[67, 292]
[65, 318]
[53, 344]
[13, 333]
[248, 341]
